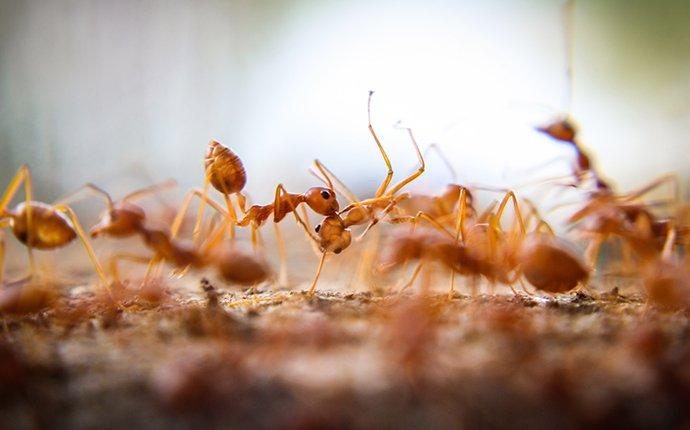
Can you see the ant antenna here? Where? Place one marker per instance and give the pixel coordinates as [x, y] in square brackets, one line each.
[322, 176]
[442, 155]
[371, 93]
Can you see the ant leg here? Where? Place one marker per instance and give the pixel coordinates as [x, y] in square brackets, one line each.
[312, 289]
[179, 217]
[451, 290]
[200, 210]
[460, 220]
[283, 273]
[23, 175]
[326, 175]
[389, 176]
[232, 215]
[397, 187]
[113, 263]
[385, 212]
[409, 283]
[459, 232]
[314, 245]
[486, 213]
[365, 265]
[3, 224]
[667, 251]
[671, 179]
[151, 189]
[85, 242]
[524, 287]
[94, 189]
[426, 217]
[592, 251]
[510, 195]
[254, 237]
[152, 270]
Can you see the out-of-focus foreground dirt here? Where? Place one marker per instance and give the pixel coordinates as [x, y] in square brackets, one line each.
[262, 359]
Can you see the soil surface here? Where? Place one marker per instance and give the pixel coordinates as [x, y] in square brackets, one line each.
[211, 358]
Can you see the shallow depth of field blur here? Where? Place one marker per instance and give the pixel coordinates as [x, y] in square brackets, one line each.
[128, 93]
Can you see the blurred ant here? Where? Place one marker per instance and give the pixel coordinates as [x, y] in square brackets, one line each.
[124, 219]
[607, 214]
[545, 261]
[41, 226]
[563, 129]
[666, 276]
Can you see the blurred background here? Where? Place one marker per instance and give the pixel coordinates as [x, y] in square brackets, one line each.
[125, 93]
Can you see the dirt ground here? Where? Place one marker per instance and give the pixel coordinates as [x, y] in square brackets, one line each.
[207, 357]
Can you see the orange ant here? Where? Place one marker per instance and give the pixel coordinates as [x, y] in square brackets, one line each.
[41, 226]
[606, 214]
[545, 261]
[225, 171]
[665, 275]
[124, 219]
[320, 200]
[385, 199]
[563, 129]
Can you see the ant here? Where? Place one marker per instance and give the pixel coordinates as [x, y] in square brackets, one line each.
[225, 171]
[124, 219]
[606, 214]
[41, 226]
[385, 199]
[563, 129]
[544, 260]
[319, 199]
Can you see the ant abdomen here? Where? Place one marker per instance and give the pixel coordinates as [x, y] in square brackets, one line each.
[551, 265]
[241, 268]
[224, 169]
[50, 228]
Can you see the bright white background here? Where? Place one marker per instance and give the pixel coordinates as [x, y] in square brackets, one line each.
[125, 93]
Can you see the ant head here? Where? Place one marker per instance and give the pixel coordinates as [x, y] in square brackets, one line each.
[333, 235]
[322, 200]
[121, 221]
[561, 129]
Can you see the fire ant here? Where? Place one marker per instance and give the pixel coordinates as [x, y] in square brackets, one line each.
[607, 214]
[225, 171]
[385, 199]
[545, 261]
[124, 219]
[321, 200]
[41, 226]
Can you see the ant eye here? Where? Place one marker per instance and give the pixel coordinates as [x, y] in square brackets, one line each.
[318, 227]
[337, 250]
[326, 195]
